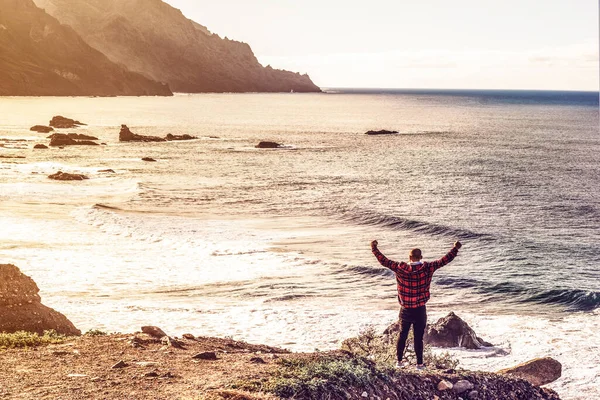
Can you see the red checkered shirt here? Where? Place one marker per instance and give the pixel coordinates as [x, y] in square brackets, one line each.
[414, 279]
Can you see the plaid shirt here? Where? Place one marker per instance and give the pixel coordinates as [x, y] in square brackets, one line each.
[413, 279]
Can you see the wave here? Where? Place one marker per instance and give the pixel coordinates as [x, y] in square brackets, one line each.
[571, 299]
[406, 224]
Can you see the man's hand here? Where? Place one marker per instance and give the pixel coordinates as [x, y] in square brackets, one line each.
[374, 244]
[457, 244]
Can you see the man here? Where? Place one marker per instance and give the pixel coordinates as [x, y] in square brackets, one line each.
[413, 280]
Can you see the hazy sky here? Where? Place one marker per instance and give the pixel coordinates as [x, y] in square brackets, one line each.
[484, 44]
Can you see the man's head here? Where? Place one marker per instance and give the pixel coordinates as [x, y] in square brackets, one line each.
[415, 255]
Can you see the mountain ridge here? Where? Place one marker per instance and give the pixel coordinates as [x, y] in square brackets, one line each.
[155, 39]
[39, 56]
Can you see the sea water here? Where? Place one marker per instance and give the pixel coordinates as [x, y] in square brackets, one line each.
[221, 238]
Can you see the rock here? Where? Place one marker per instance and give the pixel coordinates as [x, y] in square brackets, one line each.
[64, 123]
[108, 171]
[451, 331]
[364, 394]
[188, 336]
[40, 146]
[268, 145]
[381, 132]
[149, 159]
[125, 135]
[154, 331]
[257, 360]
[21, 308]
[171, 342]
[462, 386]
[171, 137]
[64, 176]
[62, 139]
[473, 395]
[76, 136]
[444, 385]
[152, 374]
[538, 372]
[41, 129]
[120, 364]
[207, 355]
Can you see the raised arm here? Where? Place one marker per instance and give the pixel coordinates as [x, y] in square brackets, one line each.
[383, 260]
[435, 265]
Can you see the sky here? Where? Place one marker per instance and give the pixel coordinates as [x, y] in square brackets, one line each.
[458, 44]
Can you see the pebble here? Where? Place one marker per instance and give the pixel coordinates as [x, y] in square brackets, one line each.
[257, 360]
[444, 385]
[207, 355]
[462, 386]
[120, 364]
[146, 363]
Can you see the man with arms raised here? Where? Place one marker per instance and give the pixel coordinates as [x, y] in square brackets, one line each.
[413, 280]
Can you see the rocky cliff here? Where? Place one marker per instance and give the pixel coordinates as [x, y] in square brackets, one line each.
[21, 308]
[153, 38]
[39, 56]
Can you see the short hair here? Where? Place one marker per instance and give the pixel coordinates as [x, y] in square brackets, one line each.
[416, 253]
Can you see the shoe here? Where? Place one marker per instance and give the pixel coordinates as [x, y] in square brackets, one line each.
[421, 366]
[400, 365]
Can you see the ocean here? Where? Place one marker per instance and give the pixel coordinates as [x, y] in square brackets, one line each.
[220, 238]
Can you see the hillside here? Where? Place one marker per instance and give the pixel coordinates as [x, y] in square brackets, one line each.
[39, 56]
[153, 38]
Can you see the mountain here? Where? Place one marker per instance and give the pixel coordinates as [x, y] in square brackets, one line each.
[39, 57]
[157, 40]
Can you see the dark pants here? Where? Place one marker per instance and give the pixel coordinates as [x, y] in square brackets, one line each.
[417, 317]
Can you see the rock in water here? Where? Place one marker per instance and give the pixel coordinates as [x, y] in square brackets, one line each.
[64, 123]
[125, 135]
[170, 137]
[451, 331]
[41, 129]
[64, 176]
[381, 132]
[268, 145]
[61, 139]
[538, 372]
[40, 146]
[21, 308]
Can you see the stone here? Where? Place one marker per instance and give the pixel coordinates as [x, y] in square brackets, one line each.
[452, 331]
[172, 342]
[154, 331]
[268, 145]
[21, 308]
[64, 176]
[462, 386]
[473, 395]
[40, 146]
[188, 336]
[64, 123]
[76, 136]
[63, 139]
[444, 385]
[257, 360]
[125, 135]
[364, 394]
[538, 372]
[171, 137]
[149, 159]
[120, 364]
[41, 129]
[152, 374]
[206, 355]
[381, 132]
[108, 171]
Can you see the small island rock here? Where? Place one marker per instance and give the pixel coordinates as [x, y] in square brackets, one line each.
[268, 145]
[125, 135]
[61, 139]
[170, 137]
[381, 132]
[41, 129]
[64, 176]
[64, 123]
[40, 146]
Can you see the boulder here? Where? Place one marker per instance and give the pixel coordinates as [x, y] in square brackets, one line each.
[61, 139]
[381, 132]
[268, 145]
[64, 123]
[40, 146]
[21, 308]
[125, 135]
[452, 331]
[76, 136]
[171, 137]
[64, 176]
[41, 129]
[538, 372]
[153, 331]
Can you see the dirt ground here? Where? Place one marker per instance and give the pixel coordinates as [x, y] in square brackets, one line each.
[85, 368]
